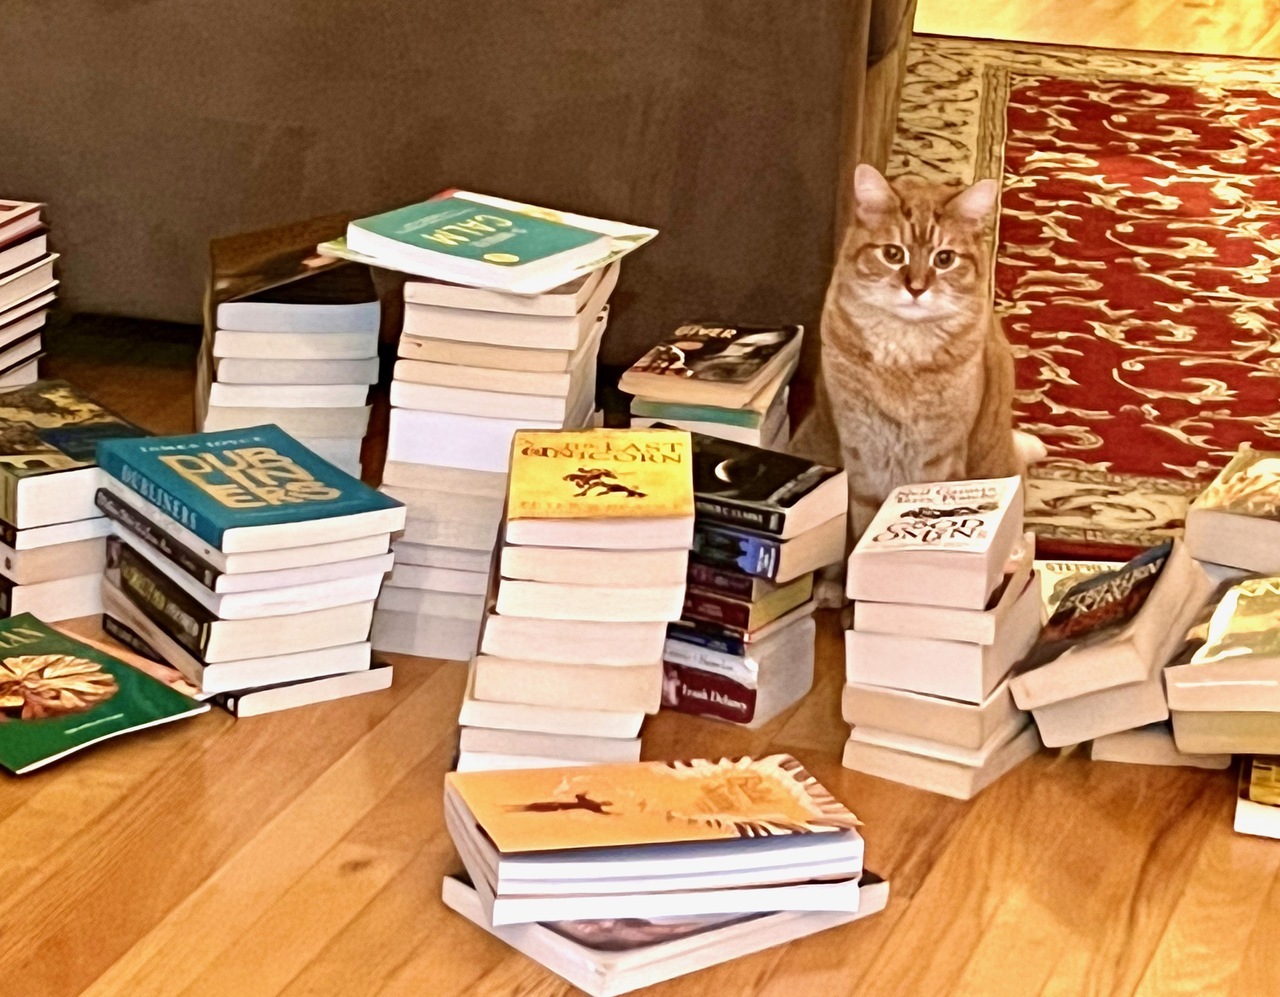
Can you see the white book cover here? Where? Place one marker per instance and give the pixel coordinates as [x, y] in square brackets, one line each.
[960, 516]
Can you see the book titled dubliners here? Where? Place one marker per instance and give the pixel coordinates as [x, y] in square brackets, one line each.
[248, 489]
[58, 695]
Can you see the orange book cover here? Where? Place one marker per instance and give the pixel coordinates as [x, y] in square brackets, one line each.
[601, 474]
[648, 803]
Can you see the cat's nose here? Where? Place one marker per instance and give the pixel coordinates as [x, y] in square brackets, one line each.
[915, 291]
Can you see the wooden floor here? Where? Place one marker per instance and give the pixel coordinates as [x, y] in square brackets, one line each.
[301, 853]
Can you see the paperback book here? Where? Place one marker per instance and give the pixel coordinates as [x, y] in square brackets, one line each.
[1236, 520]
[1258, 796]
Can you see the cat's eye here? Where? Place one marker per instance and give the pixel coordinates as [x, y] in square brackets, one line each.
[943, 258]
[893, 255]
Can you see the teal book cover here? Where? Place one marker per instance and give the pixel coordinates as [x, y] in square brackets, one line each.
[744, 417]
[58, 695]
[469, 230]
[239, 478]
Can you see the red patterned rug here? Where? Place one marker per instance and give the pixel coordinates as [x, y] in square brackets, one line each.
[1138, 272]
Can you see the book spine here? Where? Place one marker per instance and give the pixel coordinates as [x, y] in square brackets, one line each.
[692, 690]
[6, 596]
[129, 637]
[117, 510]
[712, 608]
[710, 579]
[679, 652]
[8, 533]
[710, 637]
[730, 549]
[164, 603]
[746, 517]
[229, 701]
[114, 465]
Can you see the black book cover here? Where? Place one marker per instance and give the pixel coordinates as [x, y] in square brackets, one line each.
[129, 637]
[164, 603]
[119, 511]
[6, 596]
[727, 548]
[343, 284]
[705, 351]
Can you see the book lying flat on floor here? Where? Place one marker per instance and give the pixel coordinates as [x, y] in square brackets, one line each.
[613, 957]
[289, 695]
[1150, 745]
[250, 490]
[59, 695]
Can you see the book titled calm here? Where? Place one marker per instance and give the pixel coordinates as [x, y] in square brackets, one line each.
[250, 489]
[58, 695]
[48, 434]
[1236, 520]
[939, 544]
[762, 490]
[712, 364]
[616, 488]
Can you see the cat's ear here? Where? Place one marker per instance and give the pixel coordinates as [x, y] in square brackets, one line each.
[976, 203]
[872, 194]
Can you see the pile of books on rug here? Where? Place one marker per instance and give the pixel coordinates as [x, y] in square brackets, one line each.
[743, 648]
[26, 290]
[728, 382]
[610, 877]
[504, 312]
[247, 563]
[52, 535]
[592, 569]
[290, 339]
[945, 604]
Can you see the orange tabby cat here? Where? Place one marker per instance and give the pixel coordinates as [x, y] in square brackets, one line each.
[915, 368]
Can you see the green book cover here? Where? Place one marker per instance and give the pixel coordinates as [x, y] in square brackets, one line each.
[58, 695]
[468, 230]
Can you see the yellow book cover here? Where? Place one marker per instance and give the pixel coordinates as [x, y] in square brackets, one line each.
[648, 803]
[601, 474]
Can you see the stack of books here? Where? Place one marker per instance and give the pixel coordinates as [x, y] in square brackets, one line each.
[743, 648]
[502, 335]
[621, 876]
[290, 339]
[945, 604]
[52, 535]
[1096, 668]
[26, 290]
[592, 570]
[246, 562]
[724, 381]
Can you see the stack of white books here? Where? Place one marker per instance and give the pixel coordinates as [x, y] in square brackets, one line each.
[592, 570]
[474, 366]
[52, 535]
[26, 290]
[247, 563]
[945, 604]
[294, 345]
[730, 382]
[608, 876]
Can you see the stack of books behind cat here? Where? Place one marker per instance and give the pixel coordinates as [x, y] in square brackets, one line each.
[504, 312]
[291, 339]
[26, 290]
[591, 571]
[602, 875]
[945, 602]
[245, 561]
[743, 648]
[728, 382]
[52, 535]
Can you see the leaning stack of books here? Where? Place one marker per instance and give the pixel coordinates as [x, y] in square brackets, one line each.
[502, 334]
[291, 339]
[616, 877]
[945, 604]
[26, 290]
[246, 562]
[724, 381]
[592, 569]
[52, 535]
[743, 648]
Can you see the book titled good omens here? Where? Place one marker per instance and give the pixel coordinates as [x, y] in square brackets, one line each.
[611, 488]
[250, 489]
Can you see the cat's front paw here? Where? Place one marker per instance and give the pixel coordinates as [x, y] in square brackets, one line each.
[828, 593]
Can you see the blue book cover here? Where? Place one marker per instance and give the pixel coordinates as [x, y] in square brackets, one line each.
[241, 478]
[723, 547]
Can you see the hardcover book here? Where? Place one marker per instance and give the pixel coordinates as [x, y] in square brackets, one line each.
[648, 804]
[762, 490]
[1236, 520]
[17, 218]
[47, 428]
[601, 474]
[242, 480]
[58, 695]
